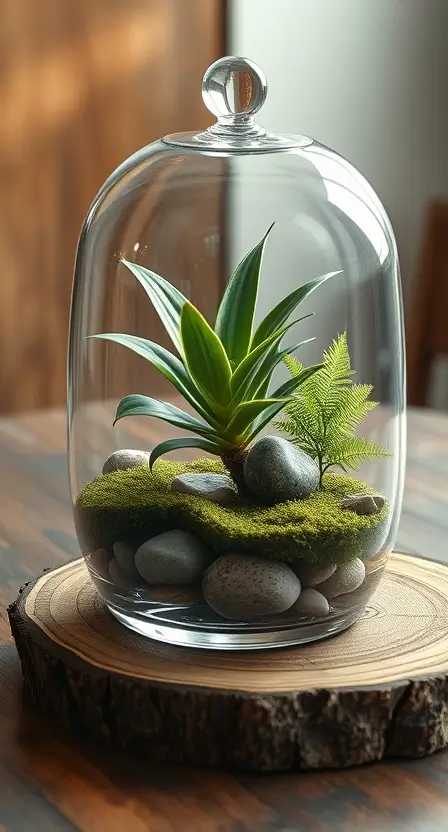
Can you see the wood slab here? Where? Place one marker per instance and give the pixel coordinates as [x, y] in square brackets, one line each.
[379, 689]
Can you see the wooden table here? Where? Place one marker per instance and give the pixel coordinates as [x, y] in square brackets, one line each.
[54, 783]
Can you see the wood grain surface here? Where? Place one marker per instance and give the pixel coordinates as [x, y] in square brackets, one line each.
[83, 84]
[378, 690]
[54, 783]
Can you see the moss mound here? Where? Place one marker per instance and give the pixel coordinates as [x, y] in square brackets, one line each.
[137, 504]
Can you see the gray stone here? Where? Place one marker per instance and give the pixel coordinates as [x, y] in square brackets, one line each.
[346, 579]
[124, 459]
[314, 575]
[218, 488]
[276, 471]
[175, 558]
[244, 587]
[379, 500]
[311, 602]
[363, 504]
[119, 576]
[125, 558]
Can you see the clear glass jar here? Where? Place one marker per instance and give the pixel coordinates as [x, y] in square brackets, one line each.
[304, 520]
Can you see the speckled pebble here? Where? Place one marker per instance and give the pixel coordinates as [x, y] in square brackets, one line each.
[125, 458]
[244, 587]
[311, 602]
[363, 504]
[346, 579]
[218, 488]
[125, 557]
[276, 471]
[175, 558]
[314, 575]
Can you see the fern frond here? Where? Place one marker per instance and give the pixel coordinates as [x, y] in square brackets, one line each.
[351, 408]
[293, 364]
[323, 417]
[353, 450]
[337, 359]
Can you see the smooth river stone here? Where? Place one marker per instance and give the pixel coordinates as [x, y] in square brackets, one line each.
[311, 602]
[124, 459]
[244, 587]
[175, 558]
[314, 575]
[275, 471]
[346, 579]
[122, 579]
[218, 488]
[363, 504]
[125, 557]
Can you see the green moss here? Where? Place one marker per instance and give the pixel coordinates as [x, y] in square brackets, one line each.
[137, 504]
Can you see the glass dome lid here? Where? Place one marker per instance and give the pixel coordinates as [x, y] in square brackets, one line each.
[234, 90]
[236, 395]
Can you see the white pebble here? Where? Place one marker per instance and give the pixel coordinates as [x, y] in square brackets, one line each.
[125, 458]
[311, 602]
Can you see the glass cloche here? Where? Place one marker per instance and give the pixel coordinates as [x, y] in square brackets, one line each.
[236, 383]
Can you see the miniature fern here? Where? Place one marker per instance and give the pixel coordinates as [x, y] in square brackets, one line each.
[323, 416]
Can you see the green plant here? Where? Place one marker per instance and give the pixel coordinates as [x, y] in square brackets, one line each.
[223, 373]
[323, 416]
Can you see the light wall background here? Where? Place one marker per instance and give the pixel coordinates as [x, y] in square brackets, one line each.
[368, 78]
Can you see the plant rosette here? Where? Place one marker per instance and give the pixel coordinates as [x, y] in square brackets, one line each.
[224, 372]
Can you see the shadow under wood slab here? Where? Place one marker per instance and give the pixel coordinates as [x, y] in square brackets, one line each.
[377, 690]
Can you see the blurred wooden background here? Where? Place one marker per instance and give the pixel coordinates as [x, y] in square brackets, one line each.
[83, 83]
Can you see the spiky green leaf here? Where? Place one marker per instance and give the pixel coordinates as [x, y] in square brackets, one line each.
[235, 317]
[277, 316]
[264, 355]
[166, 299]
[246, 414]
[188, 442]
[205, 356]
[261, 421]
[167, 364]
[137, 405]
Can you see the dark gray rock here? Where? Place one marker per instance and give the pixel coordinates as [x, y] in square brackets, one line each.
[244, 587]
[314, 575]
[125, 557]
[346, 579]
[120, 578]
[218, 488]
[175, 558]
[276, 471]
[379, 500]
[311, 602]
[363, 504]
[124, 459]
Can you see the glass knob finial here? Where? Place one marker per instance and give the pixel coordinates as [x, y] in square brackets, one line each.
[234, 89]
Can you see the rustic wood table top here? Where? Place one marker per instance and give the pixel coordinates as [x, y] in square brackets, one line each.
[56, 783]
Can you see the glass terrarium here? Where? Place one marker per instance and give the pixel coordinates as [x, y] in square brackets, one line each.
[236, 383]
